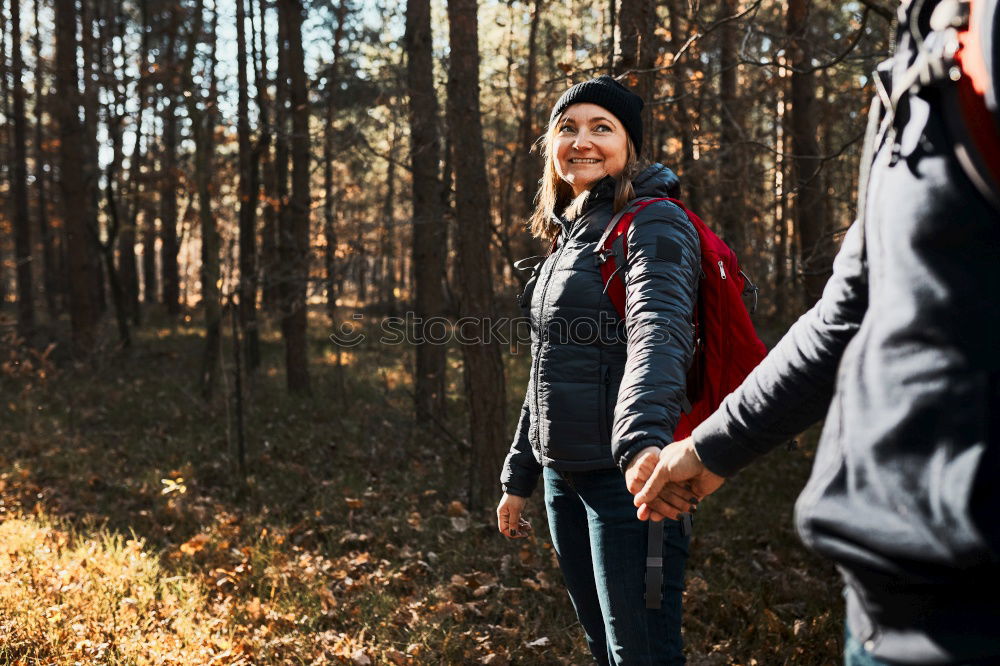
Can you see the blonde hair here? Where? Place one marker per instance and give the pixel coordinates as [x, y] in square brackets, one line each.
[556, 194]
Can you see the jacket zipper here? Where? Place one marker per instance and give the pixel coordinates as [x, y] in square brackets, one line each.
[722, 269]
[541, 329]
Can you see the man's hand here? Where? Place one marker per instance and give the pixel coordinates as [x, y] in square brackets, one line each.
[677, 498]
[678, 466]
[509, 520]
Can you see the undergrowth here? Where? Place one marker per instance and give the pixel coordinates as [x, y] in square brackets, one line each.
[129, 536]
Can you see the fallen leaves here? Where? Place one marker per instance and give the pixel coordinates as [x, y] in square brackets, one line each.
[195, 544]
[173, 486]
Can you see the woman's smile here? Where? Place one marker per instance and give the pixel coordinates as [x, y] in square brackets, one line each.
[590, 143]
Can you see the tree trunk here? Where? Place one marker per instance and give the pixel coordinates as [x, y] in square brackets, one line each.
[90, 165]
[329, 214]
[169, 242]
[106, 21]
[248, 197]
[49, 249]
[329, 199]
[127, 265]
[274, 277]
[203, 120]
[150, 283]
[5, 138]
[484, 373]
[19, 186]
[529, 167]
[636, 24]
[682, 109]
[816, 248]
[80, 241]
[387, 230]
[268, 245]
[170, 245]
[732, 212]
[429, 236]
[295, 230]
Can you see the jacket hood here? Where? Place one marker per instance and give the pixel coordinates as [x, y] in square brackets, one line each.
[657, 180]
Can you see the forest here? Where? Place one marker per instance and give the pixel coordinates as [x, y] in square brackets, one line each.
[211, 212]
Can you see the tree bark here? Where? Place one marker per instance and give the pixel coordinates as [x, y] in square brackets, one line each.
[150, 277]
[19, 186]
[268, 244]
[50, 263]
[248, 196]
[106, 21]
[295, 230]
[816, 247]
[639, 46]
[387, 229]
[329, 197]
[529, 166]
[127, 263]
[329, 201]
[484, 373]
[90, 165]
[682, 107]
[203, 114]
[170, 244]
[732, 213]
[429, 236]
[80, 240]
[274, 278]
[5, 138]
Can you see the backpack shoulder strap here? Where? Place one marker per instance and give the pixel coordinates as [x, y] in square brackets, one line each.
[611, 252]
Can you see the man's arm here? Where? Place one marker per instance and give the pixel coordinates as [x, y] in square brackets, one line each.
[792, 387]
[787, 392]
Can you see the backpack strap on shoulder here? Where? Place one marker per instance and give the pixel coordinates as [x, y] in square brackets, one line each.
[611, 252]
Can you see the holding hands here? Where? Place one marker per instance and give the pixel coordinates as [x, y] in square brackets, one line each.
[669, 481]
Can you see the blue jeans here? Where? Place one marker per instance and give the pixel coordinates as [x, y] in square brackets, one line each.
[601, 547]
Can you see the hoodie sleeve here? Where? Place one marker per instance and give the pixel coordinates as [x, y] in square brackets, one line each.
[661, 285]
[520, 469]
[792, 387]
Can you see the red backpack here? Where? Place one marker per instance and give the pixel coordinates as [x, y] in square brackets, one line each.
[726, 345]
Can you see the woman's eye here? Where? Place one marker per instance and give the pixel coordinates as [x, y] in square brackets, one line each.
[565, 128]
[603, 128]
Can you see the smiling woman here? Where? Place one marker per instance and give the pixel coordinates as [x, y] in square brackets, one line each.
[598, 408]
[589, 145]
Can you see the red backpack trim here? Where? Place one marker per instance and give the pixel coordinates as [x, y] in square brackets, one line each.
[978, 140]
[726, 345]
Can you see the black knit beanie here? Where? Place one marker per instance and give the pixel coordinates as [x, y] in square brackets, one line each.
[604, 91]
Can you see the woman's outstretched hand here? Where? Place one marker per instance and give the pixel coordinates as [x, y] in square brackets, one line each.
[676, 470]
[509, 520]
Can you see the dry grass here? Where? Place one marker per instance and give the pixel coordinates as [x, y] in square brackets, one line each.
[126, 535]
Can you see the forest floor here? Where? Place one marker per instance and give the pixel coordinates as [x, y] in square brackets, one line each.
[128, 536]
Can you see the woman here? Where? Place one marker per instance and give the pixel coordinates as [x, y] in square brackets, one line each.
[604, 399]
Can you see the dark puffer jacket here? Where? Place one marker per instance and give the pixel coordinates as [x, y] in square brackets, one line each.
[600, 392]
